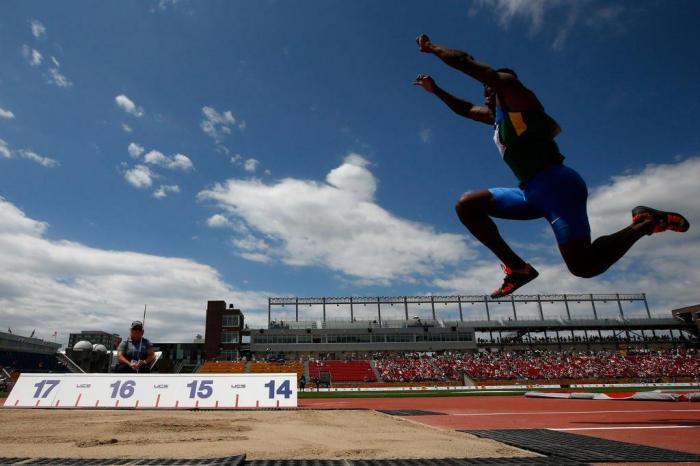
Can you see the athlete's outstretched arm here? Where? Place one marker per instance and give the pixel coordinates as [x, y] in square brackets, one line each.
[465, 63]
[459, 106]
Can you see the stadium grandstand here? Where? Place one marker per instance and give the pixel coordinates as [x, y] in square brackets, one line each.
[611, 338]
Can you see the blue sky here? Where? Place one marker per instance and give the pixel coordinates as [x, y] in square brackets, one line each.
[170, 152]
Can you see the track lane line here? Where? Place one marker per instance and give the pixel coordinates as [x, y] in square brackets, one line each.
[568, 429]
[540, 413]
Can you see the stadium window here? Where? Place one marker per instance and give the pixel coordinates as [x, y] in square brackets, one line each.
[231, 321]
[229, 337]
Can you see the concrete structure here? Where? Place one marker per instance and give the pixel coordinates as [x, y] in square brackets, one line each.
[96, 337]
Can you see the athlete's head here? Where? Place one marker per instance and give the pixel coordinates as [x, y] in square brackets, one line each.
[490, 94]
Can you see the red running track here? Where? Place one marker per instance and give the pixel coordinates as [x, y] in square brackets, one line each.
[671, 425]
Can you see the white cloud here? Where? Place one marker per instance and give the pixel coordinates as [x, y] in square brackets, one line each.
[40, 159]
[664, 265]
[104, 289]
[128, 105]
[139, 177]
[164, 189]
[335, 225]
[164, 4]
[6, 114]
[218, 221]
[55, 77]
[561, 16]
[38, 29]
[126, 128]
[216, 125]
[33, 56]
[5, 150]
[176, 162]
[426, 135]
[251, 165]
[135, 150]
[27, 154]
[354, 178]
[55, 62]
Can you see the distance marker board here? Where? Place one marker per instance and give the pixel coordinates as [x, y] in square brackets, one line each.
[154, 391]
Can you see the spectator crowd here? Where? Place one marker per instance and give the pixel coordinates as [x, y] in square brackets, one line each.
[541, 365]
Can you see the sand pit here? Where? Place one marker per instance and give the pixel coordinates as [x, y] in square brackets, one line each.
[258, 434]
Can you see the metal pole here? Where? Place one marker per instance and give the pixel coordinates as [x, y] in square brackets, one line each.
[405, 306]
[379, 311]
[539, 306]
[269, 311]
[566, 303]
[296, 305]
[512, 301]
[646, 305]
[324, 308]
[619, 305]
[595, 313]
[352, 315]
[488, 313]
[432, 305]
[459, 301]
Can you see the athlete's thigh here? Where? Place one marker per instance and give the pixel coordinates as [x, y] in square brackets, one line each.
[561, 194]
[510, 203]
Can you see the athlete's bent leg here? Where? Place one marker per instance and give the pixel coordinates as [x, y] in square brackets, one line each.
[474, 211]
[586, 260]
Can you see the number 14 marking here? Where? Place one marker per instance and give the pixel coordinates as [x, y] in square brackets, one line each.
[283, 389]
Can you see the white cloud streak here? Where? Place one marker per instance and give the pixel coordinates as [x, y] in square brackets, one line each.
[38, 29]
[561, 16]
[128, 105]
[33, 56]
[218, 221]
[176, 162]
[165, 189]
[217, 125]
[5, 150]
[40, 159]
[6, 114]
[8, 153]
[58, 79]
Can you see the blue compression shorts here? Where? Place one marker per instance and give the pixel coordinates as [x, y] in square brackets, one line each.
[557, 193]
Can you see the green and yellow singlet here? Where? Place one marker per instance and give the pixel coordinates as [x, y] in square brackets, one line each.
[526, 141]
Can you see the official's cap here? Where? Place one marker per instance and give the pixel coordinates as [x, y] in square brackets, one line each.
[136, 324]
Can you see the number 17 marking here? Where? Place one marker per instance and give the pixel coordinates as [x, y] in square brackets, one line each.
[40, 386]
